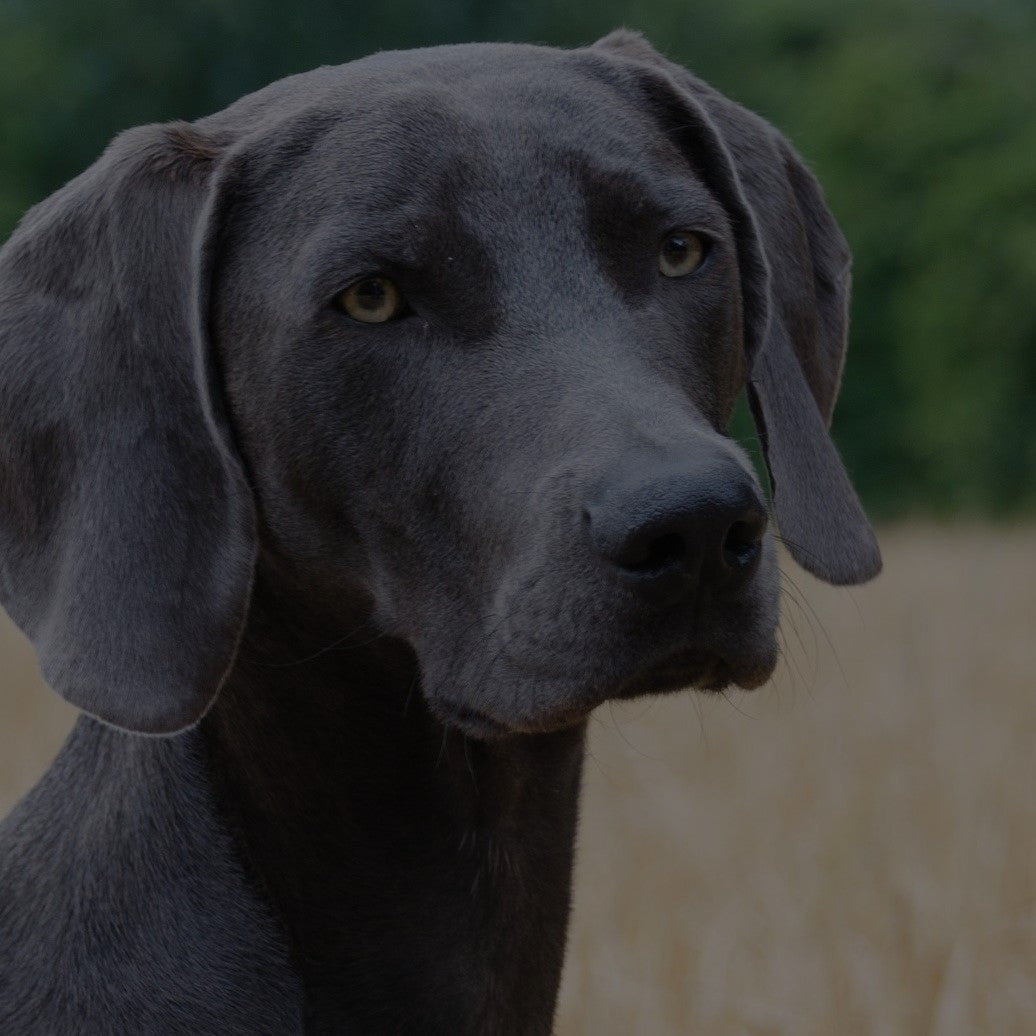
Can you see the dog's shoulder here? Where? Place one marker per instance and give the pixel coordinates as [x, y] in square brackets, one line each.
[123, 907]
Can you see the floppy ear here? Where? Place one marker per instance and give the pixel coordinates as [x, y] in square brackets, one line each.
[795, 286]
[126, 525]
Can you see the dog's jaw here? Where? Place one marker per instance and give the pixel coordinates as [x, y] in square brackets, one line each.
[340, 784]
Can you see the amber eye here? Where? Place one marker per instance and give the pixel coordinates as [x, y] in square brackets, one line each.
[372, 300]
[682, 252]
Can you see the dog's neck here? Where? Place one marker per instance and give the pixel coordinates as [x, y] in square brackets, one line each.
[423, 879]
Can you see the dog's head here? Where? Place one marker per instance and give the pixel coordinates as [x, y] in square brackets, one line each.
[456, 331]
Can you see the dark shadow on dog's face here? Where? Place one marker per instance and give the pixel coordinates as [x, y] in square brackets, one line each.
[563, 357]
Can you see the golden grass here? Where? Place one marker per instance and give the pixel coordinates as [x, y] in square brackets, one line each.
[850, 850]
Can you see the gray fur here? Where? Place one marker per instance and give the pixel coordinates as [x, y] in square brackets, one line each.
[374, 578]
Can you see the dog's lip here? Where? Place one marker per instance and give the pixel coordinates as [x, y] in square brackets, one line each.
[683, 669]
[703, 671]
[475, 723]
[482, 726]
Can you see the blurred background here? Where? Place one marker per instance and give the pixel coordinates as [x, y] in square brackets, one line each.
[852, 849]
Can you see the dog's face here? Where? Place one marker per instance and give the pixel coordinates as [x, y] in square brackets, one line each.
[531, 345]
[474, 321]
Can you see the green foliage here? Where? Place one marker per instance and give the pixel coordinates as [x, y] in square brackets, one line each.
[918, 116]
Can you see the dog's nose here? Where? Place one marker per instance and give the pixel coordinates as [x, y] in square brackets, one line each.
[671, 530]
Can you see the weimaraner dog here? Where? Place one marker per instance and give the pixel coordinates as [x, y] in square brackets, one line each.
[355, 443]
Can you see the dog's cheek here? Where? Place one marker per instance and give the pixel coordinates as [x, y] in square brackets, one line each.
[701, 349]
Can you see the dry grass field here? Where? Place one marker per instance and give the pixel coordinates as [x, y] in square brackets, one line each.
[849, 850]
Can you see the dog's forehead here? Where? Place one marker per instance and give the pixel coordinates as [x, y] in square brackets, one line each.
[453, 125]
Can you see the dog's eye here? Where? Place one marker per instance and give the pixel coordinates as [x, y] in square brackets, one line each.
[682, 252]
[372, 300]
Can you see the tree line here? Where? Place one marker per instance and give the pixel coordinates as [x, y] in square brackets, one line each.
[918, 116]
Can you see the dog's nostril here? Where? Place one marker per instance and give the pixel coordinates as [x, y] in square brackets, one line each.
[742, 544]
[679, 530]
[659, 554]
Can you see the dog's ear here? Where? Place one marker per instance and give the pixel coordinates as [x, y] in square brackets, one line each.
[795, 287]
[126, 526]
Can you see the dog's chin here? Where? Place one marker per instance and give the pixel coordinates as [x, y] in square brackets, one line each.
[566, 708]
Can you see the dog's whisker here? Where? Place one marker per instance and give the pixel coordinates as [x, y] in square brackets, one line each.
[809, 659]
[805, 603]
[724, 694]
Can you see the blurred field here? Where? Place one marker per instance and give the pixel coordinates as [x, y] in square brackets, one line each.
[850, 850]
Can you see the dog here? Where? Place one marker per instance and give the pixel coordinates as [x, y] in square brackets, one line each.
[355, 443]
